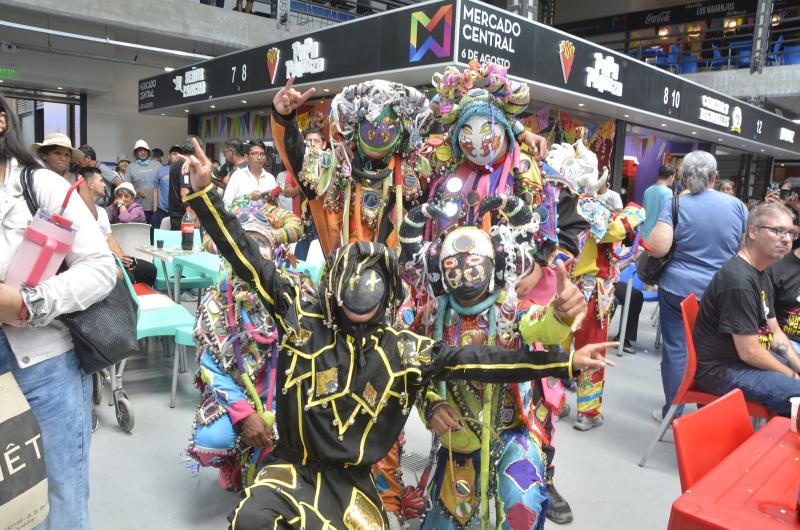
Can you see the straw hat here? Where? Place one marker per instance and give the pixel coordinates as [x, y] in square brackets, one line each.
[60, 140]
[126, 186]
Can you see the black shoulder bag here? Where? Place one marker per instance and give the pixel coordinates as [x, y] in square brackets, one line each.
[105, 332]
[648, 268]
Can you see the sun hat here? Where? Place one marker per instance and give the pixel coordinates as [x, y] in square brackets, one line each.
[123, 157]
[141, 144]
[60, 140]
[126, 186]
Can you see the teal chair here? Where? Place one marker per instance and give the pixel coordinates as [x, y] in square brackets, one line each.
[313, 270]
[161, 318]
[189, 279]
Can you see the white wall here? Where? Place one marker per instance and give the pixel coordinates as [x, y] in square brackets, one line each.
[114, 123]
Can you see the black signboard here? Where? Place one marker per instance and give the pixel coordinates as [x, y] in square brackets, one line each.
[667, 16]
[416, 36]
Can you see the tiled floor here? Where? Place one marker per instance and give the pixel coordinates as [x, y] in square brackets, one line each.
[143, 480]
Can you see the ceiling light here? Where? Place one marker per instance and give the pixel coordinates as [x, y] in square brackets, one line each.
[163, 114]
[185, 110]
[782, 165]
[720, 140]
[762, 150]
[168, 69]
[694, 132]
[213, 106]
[244, 101]
[626, 115]
[581, 104]
[326, 90]
[60, 88]
[1, 81]
[663, 124]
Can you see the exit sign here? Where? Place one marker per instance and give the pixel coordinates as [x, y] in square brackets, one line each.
[8, 72]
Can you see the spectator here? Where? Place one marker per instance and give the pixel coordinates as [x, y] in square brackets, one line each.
[736, 331]
[162, 187]
[727, 187]
[785, 278]
[634, 310]
[125, 209]
[37, 349]
[142, 174]
[655, 196]
[139, 271]
[609, 197]
[158, 155]
[179, 185]
[57, 153]
[314, 138]
[235, 158]
[709, 227]
[122, 167]
[253, 181]
[287, 191]
[111, 178]
[248, 7]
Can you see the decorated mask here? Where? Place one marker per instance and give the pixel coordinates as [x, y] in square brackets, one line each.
[377, 138]
[483, 140]
[467, 263]
[367, 292]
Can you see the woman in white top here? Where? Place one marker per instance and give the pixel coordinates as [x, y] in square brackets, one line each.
[35, 347]
[252, 181]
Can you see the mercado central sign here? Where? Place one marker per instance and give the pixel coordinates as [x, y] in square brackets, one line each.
[424, 38]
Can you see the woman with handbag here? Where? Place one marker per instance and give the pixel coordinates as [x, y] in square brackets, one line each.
[707, 236]
[34, 347]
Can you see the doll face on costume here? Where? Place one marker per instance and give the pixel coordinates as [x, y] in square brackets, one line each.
[482, 141]
[378, 137]
[467, 276]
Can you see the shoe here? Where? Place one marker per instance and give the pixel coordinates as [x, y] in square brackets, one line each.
[559, 511]
[657, 416]
[584, 423]
[565, 410]
[628, 349]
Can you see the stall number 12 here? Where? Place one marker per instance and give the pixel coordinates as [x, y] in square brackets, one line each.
[675, 98]
[233, 73]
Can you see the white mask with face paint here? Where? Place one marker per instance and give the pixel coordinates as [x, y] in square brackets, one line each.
[483, 141]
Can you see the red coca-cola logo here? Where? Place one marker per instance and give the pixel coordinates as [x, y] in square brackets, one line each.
[658, 18]
[187, 228]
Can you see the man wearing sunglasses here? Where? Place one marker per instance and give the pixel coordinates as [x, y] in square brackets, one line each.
[739, 341]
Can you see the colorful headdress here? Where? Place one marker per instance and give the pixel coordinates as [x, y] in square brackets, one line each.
[371, 99]
[480, 90]
[577, 165]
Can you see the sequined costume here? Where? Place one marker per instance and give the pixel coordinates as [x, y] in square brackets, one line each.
[235, 337]
[505, 412]
[345, 389]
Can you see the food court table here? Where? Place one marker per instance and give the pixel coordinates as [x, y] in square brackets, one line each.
[195, 259]
[755, 487]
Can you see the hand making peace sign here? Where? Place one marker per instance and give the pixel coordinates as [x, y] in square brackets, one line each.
[287, 100]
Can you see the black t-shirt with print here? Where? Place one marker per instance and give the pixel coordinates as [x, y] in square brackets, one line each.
[785, 276]
[738, 301]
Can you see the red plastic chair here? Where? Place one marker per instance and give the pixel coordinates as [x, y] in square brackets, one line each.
[705, 437]
[688, 393]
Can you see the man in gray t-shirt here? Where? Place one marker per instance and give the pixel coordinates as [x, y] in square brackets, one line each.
[142, 174]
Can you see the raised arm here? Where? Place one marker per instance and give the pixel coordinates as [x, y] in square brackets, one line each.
[288, 138]
[232, 243]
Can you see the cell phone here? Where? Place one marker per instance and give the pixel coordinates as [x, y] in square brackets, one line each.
[785, 193]
[773, 187]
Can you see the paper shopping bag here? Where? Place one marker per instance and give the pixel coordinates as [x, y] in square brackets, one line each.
[23, 479]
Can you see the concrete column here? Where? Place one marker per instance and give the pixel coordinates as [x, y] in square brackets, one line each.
[758, 54]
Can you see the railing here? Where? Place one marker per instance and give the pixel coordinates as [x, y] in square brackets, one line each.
[727, 48]
[339, 10]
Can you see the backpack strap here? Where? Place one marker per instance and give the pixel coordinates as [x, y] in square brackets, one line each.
[26, 181]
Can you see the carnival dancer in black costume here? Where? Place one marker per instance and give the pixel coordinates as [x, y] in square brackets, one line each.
[347, 380]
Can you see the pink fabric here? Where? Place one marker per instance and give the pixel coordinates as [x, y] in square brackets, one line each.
[240, 410]
[545, 289]
[133, 214]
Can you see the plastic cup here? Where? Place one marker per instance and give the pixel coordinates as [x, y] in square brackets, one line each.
[795, 401]
[160, 243]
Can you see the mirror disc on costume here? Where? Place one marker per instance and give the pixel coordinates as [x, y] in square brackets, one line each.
[463, 243]
[463, 489]
[371, 200]
[524, 165]
[444, 153]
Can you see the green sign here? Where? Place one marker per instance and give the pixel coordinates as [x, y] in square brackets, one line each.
[8, 72]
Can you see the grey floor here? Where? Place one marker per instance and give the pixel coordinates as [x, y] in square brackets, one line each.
[143, 480]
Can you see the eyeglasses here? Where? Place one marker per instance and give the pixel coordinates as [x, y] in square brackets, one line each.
[258, 155]
[781, 232]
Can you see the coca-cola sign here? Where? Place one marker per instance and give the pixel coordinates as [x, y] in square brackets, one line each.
[659, 18]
